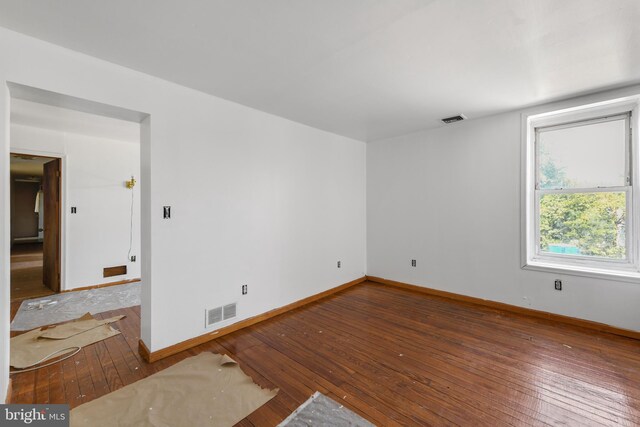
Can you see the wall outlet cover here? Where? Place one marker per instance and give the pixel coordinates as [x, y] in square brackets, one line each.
[557, 285]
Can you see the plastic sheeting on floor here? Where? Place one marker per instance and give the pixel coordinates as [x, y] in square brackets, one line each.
[319, 410]
[204, 390]
[37, 312]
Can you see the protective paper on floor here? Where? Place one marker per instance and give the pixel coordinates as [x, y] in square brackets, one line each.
[204, 390]
[319, 410]
[37, 312]
[83, 324]
[32, 347]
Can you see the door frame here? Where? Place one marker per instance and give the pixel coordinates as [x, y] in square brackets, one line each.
[63, 202]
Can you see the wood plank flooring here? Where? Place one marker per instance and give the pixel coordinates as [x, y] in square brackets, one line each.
[396, 357]
[26, 272]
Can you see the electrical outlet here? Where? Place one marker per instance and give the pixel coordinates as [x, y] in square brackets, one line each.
[244, 289]
[74, 209]
[339, 264]
[133, 258]
[558, 285]
[166, 212]
[413, 263]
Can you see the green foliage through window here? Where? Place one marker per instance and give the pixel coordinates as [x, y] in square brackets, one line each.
[593, 223]
[551, 176]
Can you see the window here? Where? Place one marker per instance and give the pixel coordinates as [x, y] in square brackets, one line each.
[581, 190]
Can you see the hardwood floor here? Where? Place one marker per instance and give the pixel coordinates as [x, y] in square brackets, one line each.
[395, 357]
[26, 272]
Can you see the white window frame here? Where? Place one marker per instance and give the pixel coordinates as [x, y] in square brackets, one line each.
[533, 258]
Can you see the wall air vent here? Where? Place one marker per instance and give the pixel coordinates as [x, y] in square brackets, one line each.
[213, 316]
[454, 119]
[218, 314]
[229, 311]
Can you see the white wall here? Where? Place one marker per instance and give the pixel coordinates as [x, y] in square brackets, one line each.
[256, 199]
[5, 241]
[93, 176]
[450, 198]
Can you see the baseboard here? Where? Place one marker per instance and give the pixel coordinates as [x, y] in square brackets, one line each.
[9, 391]
[601, 327]
[144, 351]
[184, 345]
[103, 285]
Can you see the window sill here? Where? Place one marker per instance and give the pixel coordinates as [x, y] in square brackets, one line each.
[596, 273]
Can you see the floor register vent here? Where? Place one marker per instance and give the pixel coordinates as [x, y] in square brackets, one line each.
[218, 314]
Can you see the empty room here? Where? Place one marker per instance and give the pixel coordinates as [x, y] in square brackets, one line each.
[320, 213]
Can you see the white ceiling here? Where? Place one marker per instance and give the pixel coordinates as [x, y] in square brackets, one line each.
[34, 114]
[367, 69]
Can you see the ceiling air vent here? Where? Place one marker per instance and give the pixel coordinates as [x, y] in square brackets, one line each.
[454, 119]
[213, 316]
[229, 311]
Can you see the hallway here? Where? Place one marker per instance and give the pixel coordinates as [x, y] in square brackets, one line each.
[26, 272]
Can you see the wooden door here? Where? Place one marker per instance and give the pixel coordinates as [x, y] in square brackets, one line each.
[51, 246]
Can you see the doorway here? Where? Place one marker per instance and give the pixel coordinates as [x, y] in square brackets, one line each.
[35, 225]
[100, 210]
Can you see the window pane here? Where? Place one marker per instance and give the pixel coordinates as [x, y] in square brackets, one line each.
[587, 224]
[584, 156]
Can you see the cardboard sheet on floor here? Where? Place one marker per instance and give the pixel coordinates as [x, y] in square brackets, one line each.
[83, 324]
[204, 390]
[33, 347]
